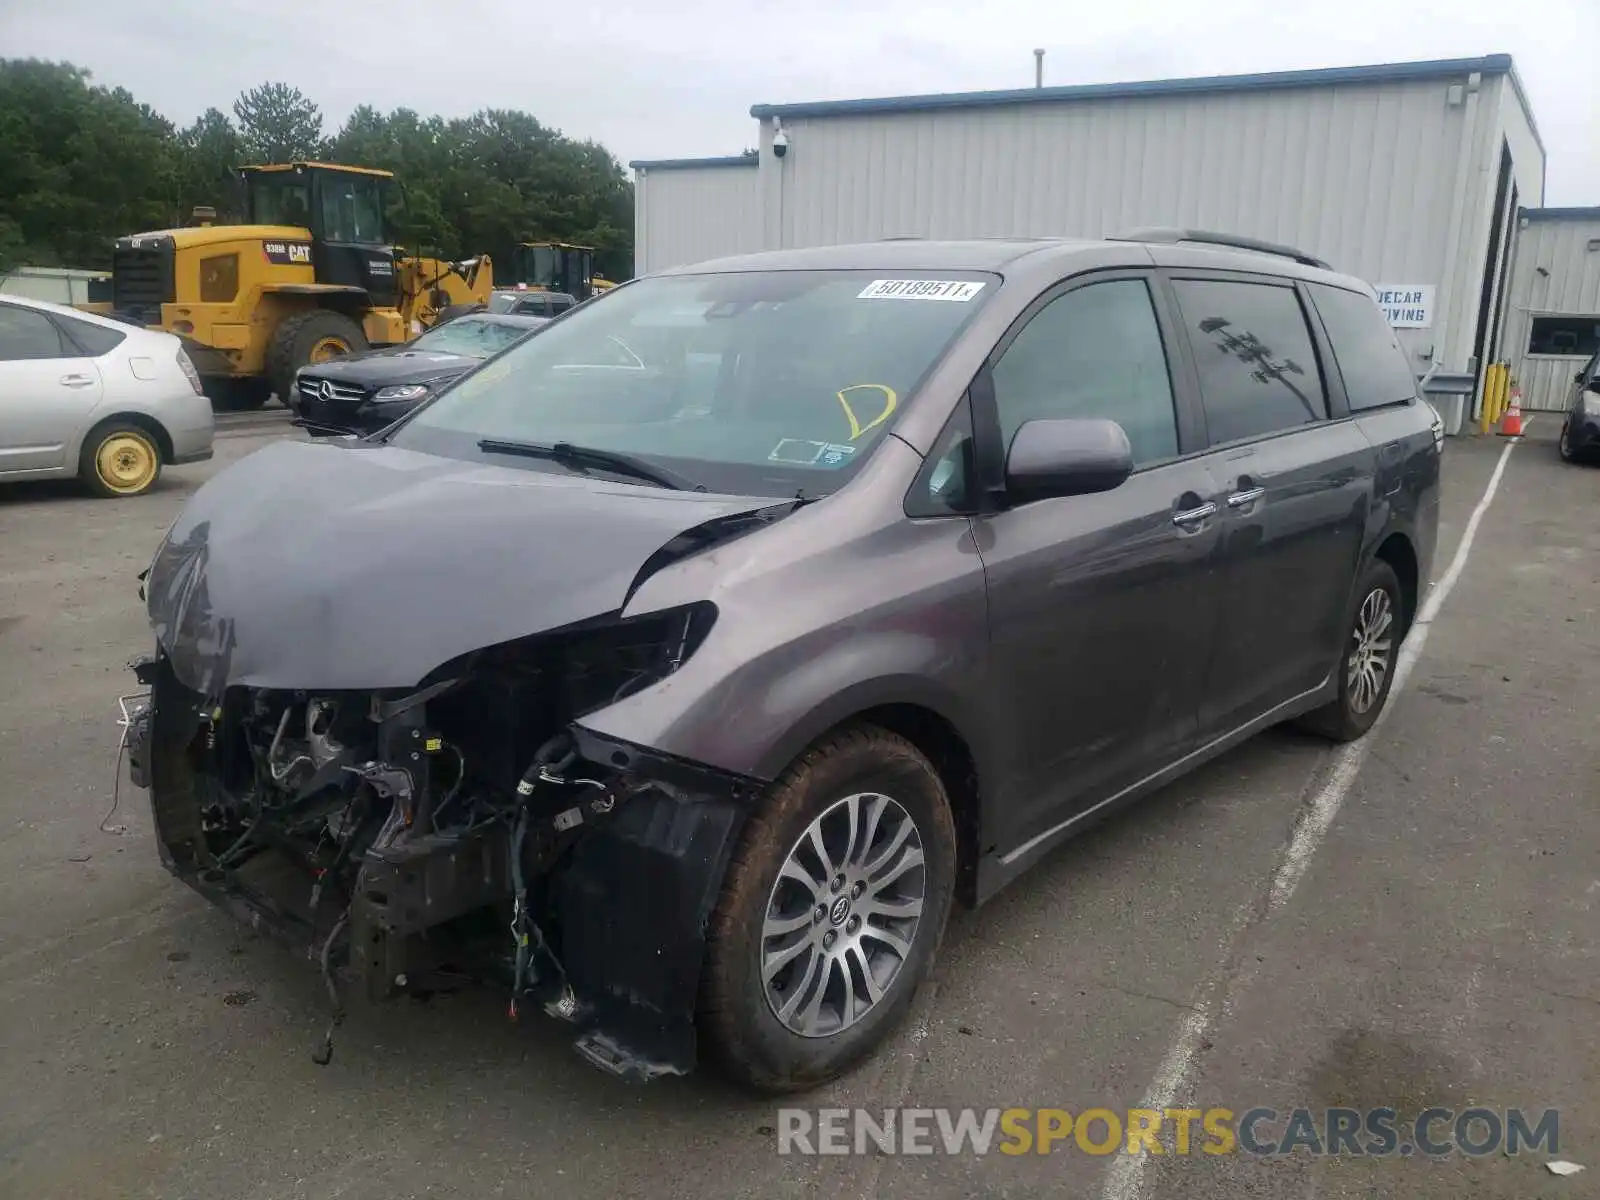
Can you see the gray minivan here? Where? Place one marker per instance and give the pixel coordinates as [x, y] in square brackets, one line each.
[717, 639]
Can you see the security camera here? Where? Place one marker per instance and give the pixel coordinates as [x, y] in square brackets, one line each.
[780, 143]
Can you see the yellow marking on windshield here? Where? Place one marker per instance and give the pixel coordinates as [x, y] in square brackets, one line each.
[856, 427]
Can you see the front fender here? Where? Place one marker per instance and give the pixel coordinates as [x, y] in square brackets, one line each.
[763, 714]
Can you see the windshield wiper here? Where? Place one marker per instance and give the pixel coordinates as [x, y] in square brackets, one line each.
[584, 457]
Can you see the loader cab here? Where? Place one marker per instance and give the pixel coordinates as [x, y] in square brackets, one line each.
[344, 213]
[555, 267]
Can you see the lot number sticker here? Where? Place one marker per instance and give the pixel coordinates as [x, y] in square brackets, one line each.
[959, 290]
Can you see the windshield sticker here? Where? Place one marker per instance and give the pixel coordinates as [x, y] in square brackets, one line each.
[880, 393]
[797, 452]
[958, 290]
[802, 452]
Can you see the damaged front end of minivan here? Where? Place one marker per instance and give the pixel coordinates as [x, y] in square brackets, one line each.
[462, 825]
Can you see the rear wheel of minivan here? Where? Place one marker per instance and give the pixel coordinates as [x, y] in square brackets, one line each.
[1371, 650]
[831, 913]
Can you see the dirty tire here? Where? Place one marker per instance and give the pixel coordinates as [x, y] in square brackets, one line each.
[1564, 442]
[119, 459]
[1340, 719]
[295, 337]
[739, 1029]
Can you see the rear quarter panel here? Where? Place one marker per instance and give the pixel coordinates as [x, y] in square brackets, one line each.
[153, 387]
[1406, 493]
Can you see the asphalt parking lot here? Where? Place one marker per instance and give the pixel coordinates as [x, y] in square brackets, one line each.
[1415, 923]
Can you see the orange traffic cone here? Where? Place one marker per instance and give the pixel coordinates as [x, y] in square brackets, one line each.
[1511, 423]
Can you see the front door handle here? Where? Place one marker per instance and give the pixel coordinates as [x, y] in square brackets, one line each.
[1246, 498]
[1191, 517]
[76, 381]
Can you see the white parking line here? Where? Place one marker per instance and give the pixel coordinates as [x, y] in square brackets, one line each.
[1125, 1178]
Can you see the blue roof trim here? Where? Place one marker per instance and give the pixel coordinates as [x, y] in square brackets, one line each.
[1589, 213]
[680, 164]
[1493, 64]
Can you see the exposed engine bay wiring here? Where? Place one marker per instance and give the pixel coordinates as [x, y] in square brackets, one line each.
[389, 828]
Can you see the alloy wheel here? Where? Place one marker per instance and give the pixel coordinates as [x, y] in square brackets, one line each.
[842, 916]
[1371, 643]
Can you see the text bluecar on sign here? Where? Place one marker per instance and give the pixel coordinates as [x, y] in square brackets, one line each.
[1406, 305]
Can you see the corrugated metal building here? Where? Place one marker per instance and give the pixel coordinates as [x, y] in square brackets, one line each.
[1405, 174]
[1553, 313]
[689, 209]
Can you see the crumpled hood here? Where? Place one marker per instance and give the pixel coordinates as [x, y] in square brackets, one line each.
[339, 566]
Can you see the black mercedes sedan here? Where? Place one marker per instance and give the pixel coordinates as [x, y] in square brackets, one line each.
[364, 393]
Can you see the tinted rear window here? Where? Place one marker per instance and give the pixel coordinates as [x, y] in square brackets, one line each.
[1375, 368]
[93, 340]
[1258, 368]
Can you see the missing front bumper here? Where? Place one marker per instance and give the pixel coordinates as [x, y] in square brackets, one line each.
[622, 914]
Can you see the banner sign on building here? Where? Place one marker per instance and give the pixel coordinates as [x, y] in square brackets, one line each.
[1407, 305]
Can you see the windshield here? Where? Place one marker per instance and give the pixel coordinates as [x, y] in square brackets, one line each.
[543, 266]
[280, 198]
[470, 337]
[352, 207]
[763, 383]
[503, 302]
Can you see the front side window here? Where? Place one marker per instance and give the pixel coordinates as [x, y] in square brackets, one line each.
[1095, 351]
[1374, 366]
[758, 383]
[1252, 348]
[26, 334]
[469, 337]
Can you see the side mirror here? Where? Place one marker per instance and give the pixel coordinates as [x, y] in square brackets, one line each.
[1067, 458]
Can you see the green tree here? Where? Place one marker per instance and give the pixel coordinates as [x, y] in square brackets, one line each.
[79, 166]
[210, 152]
[278, 123]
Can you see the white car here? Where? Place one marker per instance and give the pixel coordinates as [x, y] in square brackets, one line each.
[83, 395]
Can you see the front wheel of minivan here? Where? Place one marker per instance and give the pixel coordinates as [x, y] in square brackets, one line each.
[831, 913]
[1371, 651]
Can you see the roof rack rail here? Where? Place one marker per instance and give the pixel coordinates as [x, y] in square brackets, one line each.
[1234, 241]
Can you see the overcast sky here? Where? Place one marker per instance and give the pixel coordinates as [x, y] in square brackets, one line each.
[671, 78]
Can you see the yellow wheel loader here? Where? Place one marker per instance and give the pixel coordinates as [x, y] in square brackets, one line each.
[556, 267]
[311, 275]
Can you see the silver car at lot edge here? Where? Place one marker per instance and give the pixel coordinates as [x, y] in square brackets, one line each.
[686, 660]
[84, 395]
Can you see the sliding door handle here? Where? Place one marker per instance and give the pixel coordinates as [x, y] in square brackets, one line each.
[1246, 498]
